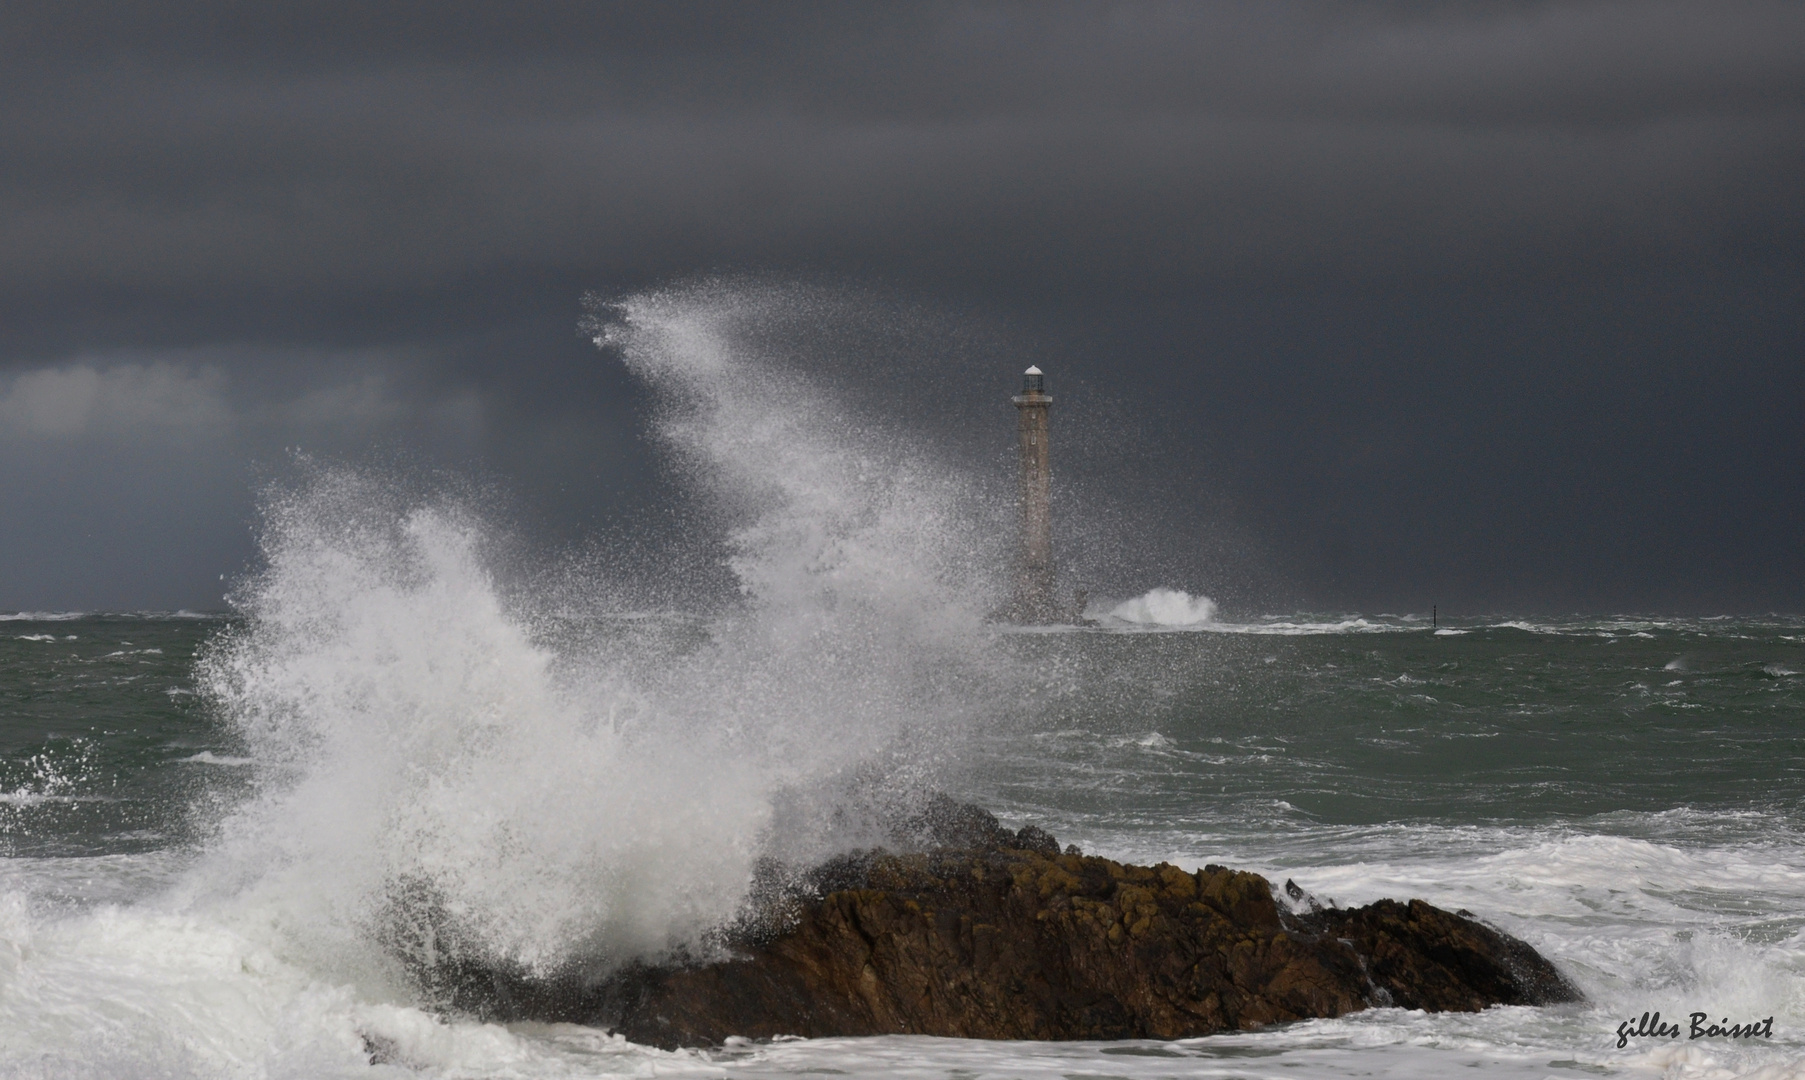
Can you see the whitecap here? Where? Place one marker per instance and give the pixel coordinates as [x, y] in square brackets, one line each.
[1293, 627]
[1166, 607]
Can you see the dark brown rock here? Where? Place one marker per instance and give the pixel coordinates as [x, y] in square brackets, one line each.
[1427, 958]
[1008, 939]
[1023, 945]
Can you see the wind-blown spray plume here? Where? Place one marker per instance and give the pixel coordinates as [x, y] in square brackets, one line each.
[439, 773]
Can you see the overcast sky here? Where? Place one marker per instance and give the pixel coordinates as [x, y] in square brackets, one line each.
[1499, 306]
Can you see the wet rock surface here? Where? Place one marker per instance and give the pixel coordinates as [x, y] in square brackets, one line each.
[1002, 936]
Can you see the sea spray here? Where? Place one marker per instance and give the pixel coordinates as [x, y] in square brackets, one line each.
[408, 730]
[866, 562]
[446, 773]
[1165, 607]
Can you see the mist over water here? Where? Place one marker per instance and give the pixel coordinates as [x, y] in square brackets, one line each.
[222, 833]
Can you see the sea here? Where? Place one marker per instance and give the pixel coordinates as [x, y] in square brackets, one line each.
[206, 817]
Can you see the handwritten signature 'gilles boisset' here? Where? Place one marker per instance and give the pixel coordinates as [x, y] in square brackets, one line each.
[1651, 1027]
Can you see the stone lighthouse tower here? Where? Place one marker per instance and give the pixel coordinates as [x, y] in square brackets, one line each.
[1034, 599]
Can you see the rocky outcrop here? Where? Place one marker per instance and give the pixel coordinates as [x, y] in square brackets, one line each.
[1008, 938]
[1026, 945]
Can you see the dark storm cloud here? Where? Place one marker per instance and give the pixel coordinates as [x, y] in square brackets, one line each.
[1314, 224]
[334, 147]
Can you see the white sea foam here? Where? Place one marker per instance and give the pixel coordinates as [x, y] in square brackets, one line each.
[1298, 625]
[1167, 608]
[1647, 916]
[1292, 627]
[1175, 609]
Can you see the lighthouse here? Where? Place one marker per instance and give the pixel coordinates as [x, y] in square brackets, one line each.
[1034, 600]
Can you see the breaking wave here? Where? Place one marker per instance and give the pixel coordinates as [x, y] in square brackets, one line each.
[1166, 607]
[426, 734]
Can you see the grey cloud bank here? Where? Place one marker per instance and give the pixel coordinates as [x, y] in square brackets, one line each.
[1490, 305]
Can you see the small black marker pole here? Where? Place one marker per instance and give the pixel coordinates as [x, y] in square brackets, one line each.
[1434, 616]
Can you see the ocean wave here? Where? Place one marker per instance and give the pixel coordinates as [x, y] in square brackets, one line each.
[1174, 619]
[1169, 608]
[146, 616]
[1291, 626]
[417, 726]
[42, 798]
[1304, 623]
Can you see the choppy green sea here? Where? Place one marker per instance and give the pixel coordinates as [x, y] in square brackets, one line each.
[1627, 794]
